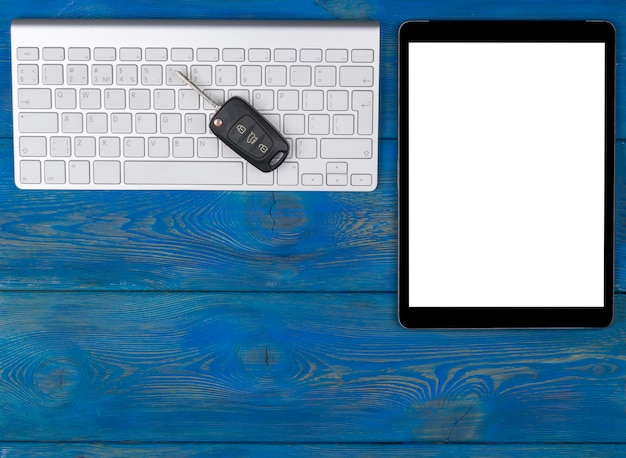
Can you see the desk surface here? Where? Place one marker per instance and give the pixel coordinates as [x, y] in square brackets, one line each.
[215, 323]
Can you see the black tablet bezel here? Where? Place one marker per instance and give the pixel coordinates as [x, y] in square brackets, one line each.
[505, 31]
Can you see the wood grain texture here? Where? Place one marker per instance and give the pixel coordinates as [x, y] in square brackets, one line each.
[226, 241]
[294, 367]
[186, 450]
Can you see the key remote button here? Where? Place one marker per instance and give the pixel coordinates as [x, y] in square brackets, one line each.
[240, 129]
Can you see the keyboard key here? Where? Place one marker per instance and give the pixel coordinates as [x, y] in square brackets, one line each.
[300, 75]
[285, 55]
[53, 54]
[255, 177]
[28, 74]
[336, 179]
[313, 100]
[312, 179]
[182, 147]
[251, 75]
[85, 146]
[134, 147]
[287, 174]
[259, 55]
[115, 99]
[208, 54]
[77, 74]
[60, 147]
[319, 124]
[208, 147]
[27, 53]
[139, 99]
[361, 179]
[233, 55]
[146, 123]
[34, 98]
[102, 75]
[363, 55]
[126, 75]
[306, 148]
[164, 99]
[188, 99]
[337, 100]
[343, 124]
[325, 76]
[130, 54]
[336, 55]
[30, 172]
[225, 75]
[121, 123]
[79, 54]
[363, 104]
[104, 54]
[96, 123]
[183, 173]
[109, 147]
[276, 75]
[201, 75]
[54, 172]
[52, 74]
[195, 123]
[65, 98]
[346, 148]
[263, 99]
[293, 124]
[33, 146]
[156, 54]
[158, 147]
[182, 54]
[356, 76]
[38, 122]
[288, 100]
[311, 55]
[72, 123]
[106, 172]
[90, 99]
[78, 172]
[171, 123]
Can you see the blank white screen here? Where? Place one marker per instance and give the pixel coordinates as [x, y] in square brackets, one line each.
[506, 174]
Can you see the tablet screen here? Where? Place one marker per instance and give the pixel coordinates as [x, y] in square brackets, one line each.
[506, 145]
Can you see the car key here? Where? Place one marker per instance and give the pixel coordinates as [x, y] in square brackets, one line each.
[245, 131]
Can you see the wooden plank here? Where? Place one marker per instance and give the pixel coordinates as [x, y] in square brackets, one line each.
[62, 450]
[200, 240]
[390, 19]
[294, 367]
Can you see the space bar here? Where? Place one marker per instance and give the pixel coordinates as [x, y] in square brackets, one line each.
[183, 173]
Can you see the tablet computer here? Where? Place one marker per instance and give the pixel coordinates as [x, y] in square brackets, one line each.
[506, 173]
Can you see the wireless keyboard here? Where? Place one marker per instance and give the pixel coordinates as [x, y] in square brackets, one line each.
[97, 104]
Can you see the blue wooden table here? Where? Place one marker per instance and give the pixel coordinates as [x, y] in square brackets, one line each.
[258, 323]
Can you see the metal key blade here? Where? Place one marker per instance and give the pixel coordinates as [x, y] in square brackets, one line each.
[193, 86]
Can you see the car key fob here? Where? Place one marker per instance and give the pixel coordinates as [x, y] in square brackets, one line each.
[245, 131]
[249, 134]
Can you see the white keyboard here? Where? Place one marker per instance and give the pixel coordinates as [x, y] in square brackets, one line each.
[97, 104]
